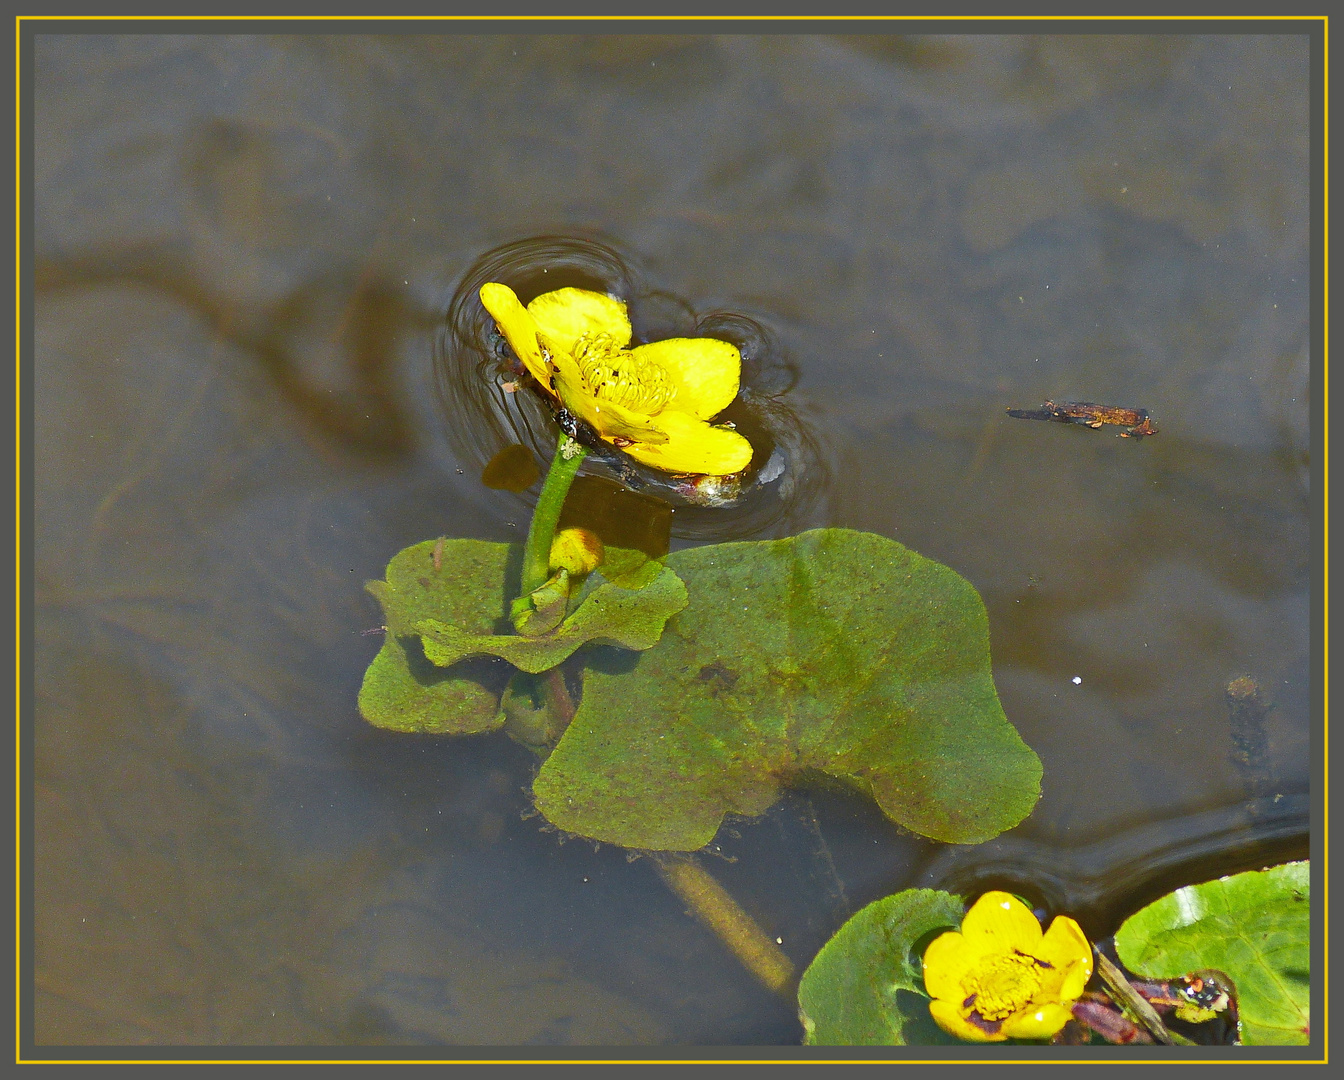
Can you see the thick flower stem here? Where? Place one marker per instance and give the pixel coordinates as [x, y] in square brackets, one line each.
[712, 904]
[569, 456]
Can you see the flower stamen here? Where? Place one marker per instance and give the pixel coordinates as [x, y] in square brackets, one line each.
[1001, 985]
[621, 377]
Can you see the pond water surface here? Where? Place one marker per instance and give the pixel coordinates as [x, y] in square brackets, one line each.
[246, 248]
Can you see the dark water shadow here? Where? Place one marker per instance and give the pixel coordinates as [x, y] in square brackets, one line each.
[356, 317]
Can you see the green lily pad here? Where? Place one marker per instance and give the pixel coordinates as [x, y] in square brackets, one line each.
[1255, 926]
[608, 615]
[866, 985]
[462, 580]
[837, 651]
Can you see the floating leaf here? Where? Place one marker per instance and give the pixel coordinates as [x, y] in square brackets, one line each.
[462, 580]
[866, 986]
[837, 651]
[608, 615]
[1255, 926]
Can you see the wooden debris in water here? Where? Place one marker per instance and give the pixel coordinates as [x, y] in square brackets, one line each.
[1088, 413]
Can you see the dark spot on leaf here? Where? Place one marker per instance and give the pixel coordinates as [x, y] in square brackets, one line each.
[722, 678]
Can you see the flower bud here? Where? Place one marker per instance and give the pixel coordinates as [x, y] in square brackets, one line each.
[577, 550]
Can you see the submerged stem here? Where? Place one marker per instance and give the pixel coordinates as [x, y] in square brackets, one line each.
[569, 456]
[713, 905]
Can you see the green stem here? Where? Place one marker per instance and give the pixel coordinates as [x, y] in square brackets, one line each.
[569, 456]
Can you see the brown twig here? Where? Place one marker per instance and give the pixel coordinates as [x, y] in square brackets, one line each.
[1133, 1003]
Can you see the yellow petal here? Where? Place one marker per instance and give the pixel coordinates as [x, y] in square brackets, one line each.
[1075, 979]
[705, 371]
[1001, 921]
[693, 446]
[517, 326]
[949, 1018]
[946, 960]
[1067, 948]
[1040, 1022]
[565, 315]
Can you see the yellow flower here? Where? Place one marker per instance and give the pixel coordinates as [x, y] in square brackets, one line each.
[653, 401]
[1001, 978]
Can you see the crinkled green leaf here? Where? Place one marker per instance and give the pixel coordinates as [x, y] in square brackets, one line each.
[402, 690]
[629, 568]
[1255, 927]
[608, 615]
[837, 651]
[866, 985]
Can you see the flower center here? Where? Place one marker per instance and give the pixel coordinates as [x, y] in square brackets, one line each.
[1000, 985]
[621, 377]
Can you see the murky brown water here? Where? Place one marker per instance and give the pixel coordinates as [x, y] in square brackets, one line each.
[246, 249]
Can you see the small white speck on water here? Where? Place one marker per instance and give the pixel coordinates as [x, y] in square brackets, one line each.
[1077, 680]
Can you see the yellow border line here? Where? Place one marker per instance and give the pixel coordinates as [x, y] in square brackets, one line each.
[1324, 20]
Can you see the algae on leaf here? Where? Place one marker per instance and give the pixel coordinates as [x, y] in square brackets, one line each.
[835, 650]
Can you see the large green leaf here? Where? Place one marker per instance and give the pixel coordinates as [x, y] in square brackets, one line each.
[866, 986]
[1255, 926]
[460, 580]
[608, 615]
[835, 650]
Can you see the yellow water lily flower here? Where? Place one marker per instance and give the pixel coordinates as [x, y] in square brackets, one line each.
[1000, 978]
[654, 401]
